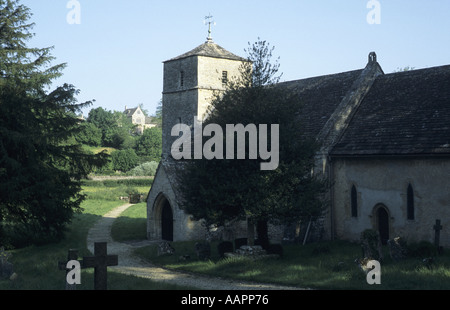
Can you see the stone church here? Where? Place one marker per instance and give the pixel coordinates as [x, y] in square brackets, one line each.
[385, 146]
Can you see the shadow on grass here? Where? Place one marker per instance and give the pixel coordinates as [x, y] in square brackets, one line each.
[327, 266]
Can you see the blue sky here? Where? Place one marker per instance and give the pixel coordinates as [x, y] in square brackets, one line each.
[115, 54]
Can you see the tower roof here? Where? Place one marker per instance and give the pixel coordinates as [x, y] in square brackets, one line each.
[209, 49]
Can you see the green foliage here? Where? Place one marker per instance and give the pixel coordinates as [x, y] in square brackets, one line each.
[158, 114]
[421, 249]
[118, 137]
[41, 165]
[89, 134]
[304, 266]
[124, 160]
[132, 224]
[145, 169]
[101, 118]
[220, 190]
[150, 144]
[117, 130]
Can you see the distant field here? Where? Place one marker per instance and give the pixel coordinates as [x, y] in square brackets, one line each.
[98, 149]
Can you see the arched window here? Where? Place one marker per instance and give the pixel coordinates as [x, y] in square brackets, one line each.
[410, 203]
[354, 202]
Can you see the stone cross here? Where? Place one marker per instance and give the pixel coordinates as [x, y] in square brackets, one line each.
[100, 261]
[437, 232]
[72, 255]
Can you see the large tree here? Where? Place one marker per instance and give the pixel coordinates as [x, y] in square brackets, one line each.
[116, 128]
[221, 190]
[41, 164]
[149, 144]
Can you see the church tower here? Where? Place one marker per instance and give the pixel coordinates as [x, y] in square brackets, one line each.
[190, 81]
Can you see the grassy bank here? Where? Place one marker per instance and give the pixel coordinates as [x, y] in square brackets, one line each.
[37, 266]
[325, 265]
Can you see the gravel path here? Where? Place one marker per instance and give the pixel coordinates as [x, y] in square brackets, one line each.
[130, 264]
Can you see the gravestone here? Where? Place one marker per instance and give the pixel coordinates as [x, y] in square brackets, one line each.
[134, 198]
[239, 242]
[371, 244]
[437, 235]
[249, 250]
[437, 232]
[165, 248]
[397, 248]
[203, 250]
[6, 268]
[62, 265]
[100, 261]
[224, 247]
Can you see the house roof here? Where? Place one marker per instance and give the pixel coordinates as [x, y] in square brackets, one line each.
[209, 49]
[403, 113]
[130, 112]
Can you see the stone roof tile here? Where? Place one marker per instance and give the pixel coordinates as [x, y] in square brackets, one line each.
[319, 97]
[403, 113]
[209, 49]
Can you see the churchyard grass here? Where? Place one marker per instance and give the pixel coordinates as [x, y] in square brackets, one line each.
[131, 224]
[324, 265]
[37, 266]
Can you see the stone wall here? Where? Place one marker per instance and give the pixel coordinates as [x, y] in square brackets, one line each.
[202, 78]
[384, 182]
[183, 227]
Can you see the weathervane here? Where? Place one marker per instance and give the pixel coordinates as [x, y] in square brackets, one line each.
[208, 19]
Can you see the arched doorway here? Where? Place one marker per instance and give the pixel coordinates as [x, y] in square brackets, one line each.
[382, 217]
[166, 221]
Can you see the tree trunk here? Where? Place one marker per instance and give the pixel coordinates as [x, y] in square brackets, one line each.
[262, 230]
[250, 232]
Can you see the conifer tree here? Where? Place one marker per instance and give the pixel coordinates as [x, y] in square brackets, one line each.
[41, 164]
[222, 190]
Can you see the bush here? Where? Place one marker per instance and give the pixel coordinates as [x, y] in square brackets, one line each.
[421, 249]
[150, 143]
[224, 247]
[89, 134]
[124, 160]
[203, 250]
[275, 249]
[145, 169]
[321, 248]
[20, 235]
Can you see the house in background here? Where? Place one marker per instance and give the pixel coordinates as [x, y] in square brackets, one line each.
[139, 119]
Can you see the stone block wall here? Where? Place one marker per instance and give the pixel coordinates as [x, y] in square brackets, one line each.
[384, 182]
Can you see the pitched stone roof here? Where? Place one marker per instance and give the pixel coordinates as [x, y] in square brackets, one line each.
[319, 97]
[130, 112]
[403, 113]
[209, 49]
